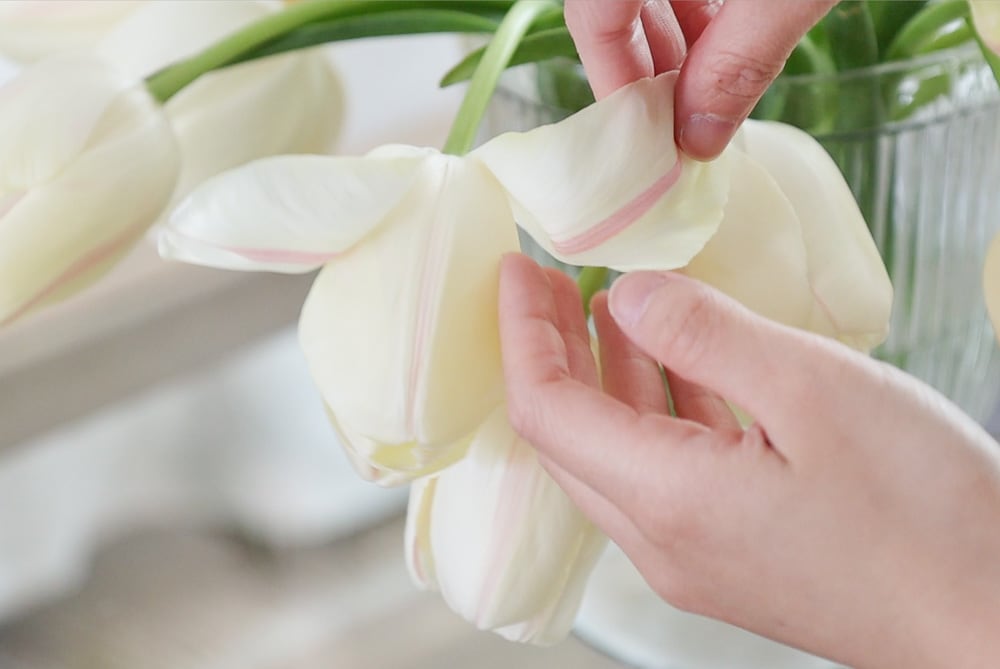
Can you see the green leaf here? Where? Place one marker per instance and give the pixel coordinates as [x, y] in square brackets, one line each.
[923, 27]
[401, 22]
[537, 46]
[851, 31]
[889, 17]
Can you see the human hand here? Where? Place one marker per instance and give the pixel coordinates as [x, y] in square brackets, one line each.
[858, 519]
[736, 50]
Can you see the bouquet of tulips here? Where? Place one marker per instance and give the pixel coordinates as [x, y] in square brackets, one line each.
[212, 118]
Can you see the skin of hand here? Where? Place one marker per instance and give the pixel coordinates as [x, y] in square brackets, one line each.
[728, 53]
[858, 518]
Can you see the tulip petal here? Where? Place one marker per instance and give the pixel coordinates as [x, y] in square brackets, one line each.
[608, 186]
[64, 233]
[986, 16]
[401, 332]
[852, 290]
[39, 140]
[991, 283]
[239, 114]
[509, 548]
[288, 213]
[758, 256]
[417, 539]
[159, 34]
[32, 29]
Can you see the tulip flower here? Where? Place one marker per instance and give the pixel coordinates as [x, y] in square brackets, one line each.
[991, 283]
[33, 29]
[502, 542]
[986, 16]
[232, 116]
[793, 245]
[87, 163]
[400, 328]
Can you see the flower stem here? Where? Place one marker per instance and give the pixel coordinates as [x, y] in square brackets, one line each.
[591, 280]
[167, 82]
[499, 52]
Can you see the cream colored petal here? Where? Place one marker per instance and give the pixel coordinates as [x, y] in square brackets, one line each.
[288, 213]
[991, 283]
[159, 34]
[417, 537]
[852, 291]
[243, 113]
[48, 115]
[401, 332]
[986, 14]
[238, 114]
[758, 256]
[608, 187]
[59, 236]
[33, 29]
[510, 549]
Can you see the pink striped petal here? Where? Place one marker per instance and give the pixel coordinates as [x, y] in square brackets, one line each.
[608, 186]
[290, 213]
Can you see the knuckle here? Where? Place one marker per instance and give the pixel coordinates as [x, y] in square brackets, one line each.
[740, 76]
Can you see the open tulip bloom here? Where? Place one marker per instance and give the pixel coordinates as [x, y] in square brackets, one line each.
[400, 328]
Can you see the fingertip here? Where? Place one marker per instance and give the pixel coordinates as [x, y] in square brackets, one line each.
[630, 295]
[705, 136]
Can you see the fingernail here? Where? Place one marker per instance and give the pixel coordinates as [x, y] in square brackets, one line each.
[631, 294]
[704, 136]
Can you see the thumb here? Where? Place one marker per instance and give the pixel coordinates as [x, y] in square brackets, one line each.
[732, 63]
[710, 339]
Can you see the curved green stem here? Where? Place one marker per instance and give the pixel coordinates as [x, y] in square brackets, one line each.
[166, 83]
[499, 52]
[591, 280]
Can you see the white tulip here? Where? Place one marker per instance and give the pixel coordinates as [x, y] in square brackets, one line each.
[87, 163]
[33, 29]
[502, 542]
[793, 245]
[291, 103]
[986, 16]
[400, 329]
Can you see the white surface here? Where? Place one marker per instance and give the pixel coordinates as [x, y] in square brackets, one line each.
[242, 444]
[622, 616]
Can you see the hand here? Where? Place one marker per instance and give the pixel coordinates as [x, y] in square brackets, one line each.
[858, 518]
[736, 50]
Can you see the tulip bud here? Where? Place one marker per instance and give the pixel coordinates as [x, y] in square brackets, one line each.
[238, 114]
[33, 29]
[986, 16]
[87, 163]
[502, 542]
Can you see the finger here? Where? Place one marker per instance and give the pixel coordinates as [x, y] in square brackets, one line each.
[572, 325]
[611, 41]
[598, 509]
[713, 341]
[628, 373]
[730, 66]
[596, 438]
[694, 16]
[700, 404]
[667, 46]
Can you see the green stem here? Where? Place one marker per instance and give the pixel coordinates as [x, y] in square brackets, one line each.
[166, 83]
[591, 280]
[924, 26]
[499, 52]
